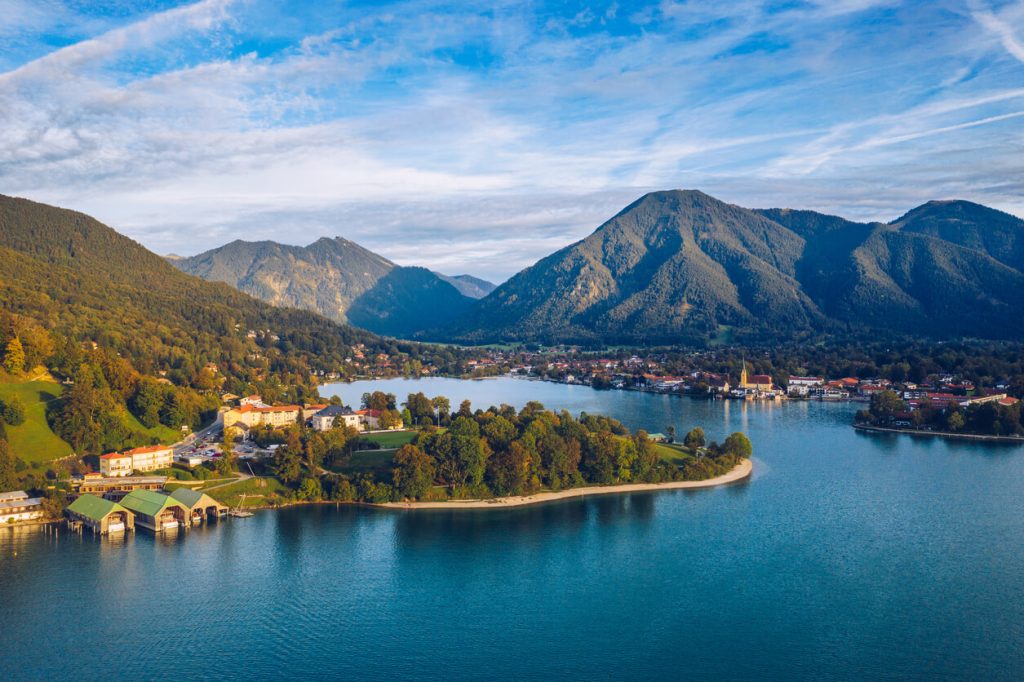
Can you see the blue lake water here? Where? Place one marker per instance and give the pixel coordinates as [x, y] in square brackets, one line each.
[847, 556]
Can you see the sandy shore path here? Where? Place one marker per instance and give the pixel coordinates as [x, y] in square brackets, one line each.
[741, 471]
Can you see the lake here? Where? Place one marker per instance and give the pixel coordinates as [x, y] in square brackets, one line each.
[847, 556]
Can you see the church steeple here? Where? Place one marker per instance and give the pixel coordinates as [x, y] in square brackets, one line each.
[743, 372]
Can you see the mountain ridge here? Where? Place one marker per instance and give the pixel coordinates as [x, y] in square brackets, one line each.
[680, 266]
[339, 279]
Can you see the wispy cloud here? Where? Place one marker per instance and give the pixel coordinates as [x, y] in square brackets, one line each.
[479, 137]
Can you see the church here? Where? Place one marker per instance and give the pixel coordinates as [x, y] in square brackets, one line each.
[756, 382]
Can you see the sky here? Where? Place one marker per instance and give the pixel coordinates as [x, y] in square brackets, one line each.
[479, 137]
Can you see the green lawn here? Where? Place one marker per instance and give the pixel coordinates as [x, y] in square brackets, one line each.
[258, 492]
[672, 453]
[33, 441]
[364, 461]
[390, 439]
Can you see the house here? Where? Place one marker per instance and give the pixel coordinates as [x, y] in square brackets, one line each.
[101, 516]
[253, 400]
[155, 511]
[148, 458]
[17, 506]
[116, 487]
[116, 464]
[369, 419]
[201, 507]
[335, 415]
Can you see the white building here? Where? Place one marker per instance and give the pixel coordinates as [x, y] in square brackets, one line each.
[148, 458]
[18, 506]
[802, 385]
[335, 415]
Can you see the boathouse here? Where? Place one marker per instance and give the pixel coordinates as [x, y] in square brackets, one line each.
[155, 511]
[201, 507]
[101, 516]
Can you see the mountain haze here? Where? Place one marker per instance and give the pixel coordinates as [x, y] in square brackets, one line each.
[340, 280]
[681, 266]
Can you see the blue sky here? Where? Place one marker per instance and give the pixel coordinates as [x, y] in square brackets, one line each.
[479, 137]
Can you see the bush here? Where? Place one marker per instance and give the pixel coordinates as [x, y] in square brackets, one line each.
[14, 411]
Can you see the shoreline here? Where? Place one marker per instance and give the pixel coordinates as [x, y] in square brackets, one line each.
[1008, 440]
[740, 472]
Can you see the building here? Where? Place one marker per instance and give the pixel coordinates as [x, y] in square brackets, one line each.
[335, 415]
[201, 507]
[252, 415]
[156, 512]
[254, 400]
[114, 488]
[755, 382]
[369, 420]
[17, 507]
[309, 410]
[803, 386]
[101, 516]
[148, 458]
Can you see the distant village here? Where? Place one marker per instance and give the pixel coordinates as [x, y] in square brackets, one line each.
[637, 373]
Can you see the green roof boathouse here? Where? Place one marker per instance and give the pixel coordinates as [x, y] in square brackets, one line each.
[101, 516]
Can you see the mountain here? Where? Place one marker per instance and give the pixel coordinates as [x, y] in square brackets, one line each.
[83, 281]
[472, 287]
[683, 267]
[338, 279]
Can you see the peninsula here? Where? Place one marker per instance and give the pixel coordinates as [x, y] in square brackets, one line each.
[740, 472]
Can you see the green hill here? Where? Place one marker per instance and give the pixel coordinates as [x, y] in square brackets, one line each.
[34, 441]
[146, 345]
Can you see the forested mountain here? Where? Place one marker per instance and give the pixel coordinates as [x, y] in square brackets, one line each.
[130, 330]
[683, 267]
[340, 280]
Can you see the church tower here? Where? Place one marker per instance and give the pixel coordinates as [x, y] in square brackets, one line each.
[743, 373]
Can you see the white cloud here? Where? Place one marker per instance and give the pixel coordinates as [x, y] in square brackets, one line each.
[475, 141]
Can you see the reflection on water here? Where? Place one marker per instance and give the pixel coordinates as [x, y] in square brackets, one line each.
[847, 556]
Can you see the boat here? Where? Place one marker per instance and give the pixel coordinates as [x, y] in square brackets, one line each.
[238, 512]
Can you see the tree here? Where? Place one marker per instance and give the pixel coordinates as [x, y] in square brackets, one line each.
[955, 421]
[8, 471]
[287, 464]
[310, 489]
[147, 401]
[738, 445]
[694, 439]
[885, 405]
[14, 356]
[671, 431]
[414, 472]
[14, 411]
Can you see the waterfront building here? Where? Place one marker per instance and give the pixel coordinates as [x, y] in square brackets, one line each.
[803, 386]
[156, 512]
[101, 516]
[114, 488]
[17, 506]
[148, 458]
[201, 507]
